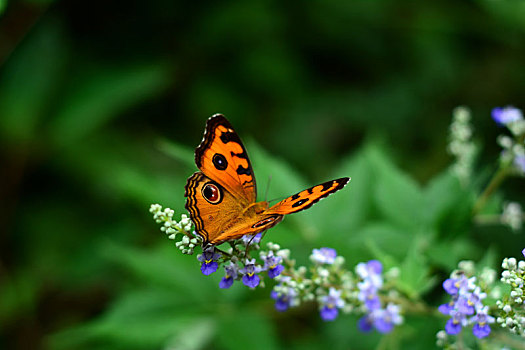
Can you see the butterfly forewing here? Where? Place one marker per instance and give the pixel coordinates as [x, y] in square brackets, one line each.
[305, 199]
[222, 157]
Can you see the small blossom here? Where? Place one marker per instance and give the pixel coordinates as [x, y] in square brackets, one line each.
[231, 275]
[482, 319]
[512, 215]
[519, 163]
[368, 295]
[385, 319]
[251, 239]
[371, 273]
[453, 326]
[323, 255]
[506, 115]
[330, 303]
[208, 258]
[272, 264]
[284, 295]
[446, 308]
[461, 145]
[366, 323]
[249, 271]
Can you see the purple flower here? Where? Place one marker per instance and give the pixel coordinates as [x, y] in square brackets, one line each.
[208, 259]
[231, 275]
[519, 162]
[323, 256]
[282, 302]
[446, 308]
[371, 272]
[481, 331]
[250, 278]
[482, 319]
[453, 326]
[272, 264]
[286, 297]
[330, 303]
[506, 115]
[366, 323]
[523, 252]
[251, 239]
[458, 284]
[450, 286]
[385, 319]
[368, 295]
[329, 313]
[465, 306]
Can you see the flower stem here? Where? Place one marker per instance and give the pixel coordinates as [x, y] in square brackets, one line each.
[496, 181]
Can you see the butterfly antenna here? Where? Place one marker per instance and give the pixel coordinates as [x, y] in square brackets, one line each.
[267, 188]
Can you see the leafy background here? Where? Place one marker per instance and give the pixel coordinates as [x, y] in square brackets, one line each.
[102, 104]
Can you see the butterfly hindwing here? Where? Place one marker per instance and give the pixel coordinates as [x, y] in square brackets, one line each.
[210, 215]
[222, 157]
[218, 216]
[305, 199]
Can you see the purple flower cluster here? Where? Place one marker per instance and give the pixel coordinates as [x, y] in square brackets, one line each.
[512, 118]
[284, 295]
[382, 319]
[466, 306]
[249, 273]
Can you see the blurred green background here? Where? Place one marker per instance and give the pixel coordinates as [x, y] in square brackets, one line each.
[102, 104]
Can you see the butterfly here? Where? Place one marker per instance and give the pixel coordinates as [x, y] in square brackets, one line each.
[221, 197]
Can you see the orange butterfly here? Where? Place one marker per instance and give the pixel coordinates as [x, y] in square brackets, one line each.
[221, 198]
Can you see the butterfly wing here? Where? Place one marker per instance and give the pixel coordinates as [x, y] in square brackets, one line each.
[218, 216]
[210, 211]
[305, 199]
[222, 157]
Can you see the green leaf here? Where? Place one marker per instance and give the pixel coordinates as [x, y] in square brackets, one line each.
[137, 320]
[30, 81]
[397, 196]
[3, 5]
[18, 295]
[414, 275]
[447, 205]
[447, 253]
[166, 267]
[118, 167]
[345, 211]
[385, 238]
[182, 153]
[102, 95]
[245, 329]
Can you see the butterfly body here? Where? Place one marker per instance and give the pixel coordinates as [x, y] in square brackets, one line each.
[221, 197]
